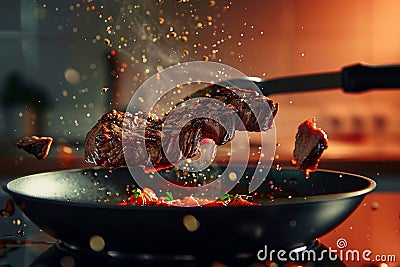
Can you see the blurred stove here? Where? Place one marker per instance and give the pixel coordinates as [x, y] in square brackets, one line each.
[374, 226]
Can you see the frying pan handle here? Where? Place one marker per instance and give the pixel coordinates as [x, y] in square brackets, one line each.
[361, 77]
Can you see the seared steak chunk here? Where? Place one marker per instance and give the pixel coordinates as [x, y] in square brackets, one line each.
[104, 145]
[37, 146]
[309, 145]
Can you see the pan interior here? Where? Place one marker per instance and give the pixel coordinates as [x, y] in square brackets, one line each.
[109, 186]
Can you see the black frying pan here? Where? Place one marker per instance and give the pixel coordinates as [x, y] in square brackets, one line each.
[75, 205]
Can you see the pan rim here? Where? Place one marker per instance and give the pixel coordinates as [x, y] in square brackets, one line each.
[277, 202]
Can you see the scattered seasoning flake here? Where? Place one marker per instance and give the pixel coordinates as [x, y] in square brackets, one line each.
[20, 232]
[104, 89]
[225, 197]
[136, 193]
[169, 196]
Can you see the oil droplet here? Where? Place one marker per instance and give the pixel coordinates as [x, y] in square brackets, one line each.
[67, 261]
[72, 76]
[232, 176]
[17, 222]
[97, 243]
[191, 223]
[374, 205]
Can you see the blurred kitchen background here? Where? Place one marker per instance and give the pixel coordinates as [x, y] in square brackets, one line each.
[65, 63]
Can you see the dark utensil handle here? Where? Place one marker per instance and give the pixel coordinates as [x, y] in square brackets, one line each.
[359, 77]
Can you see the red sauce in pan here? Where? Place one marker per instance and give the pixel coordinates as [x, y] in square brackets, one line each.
[147, 197]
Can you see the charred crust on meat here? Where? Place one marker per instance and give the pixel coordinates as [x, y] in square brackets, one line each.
[309, 145]
[104, 146]
[37, 146]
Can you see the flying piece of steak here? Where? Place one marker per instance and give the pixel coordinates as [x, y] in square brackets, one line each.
[37, 146]
[309, 145]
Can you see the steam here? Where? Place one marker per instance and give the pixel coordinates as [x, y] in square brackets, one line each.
[148, 34]
[155, 35]
[136, 32]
